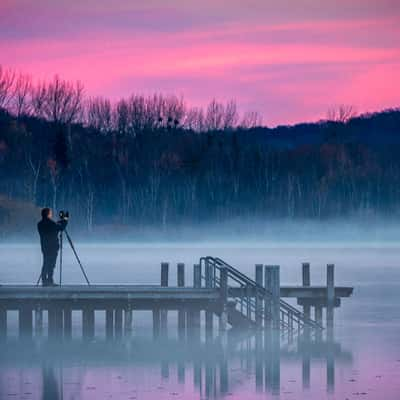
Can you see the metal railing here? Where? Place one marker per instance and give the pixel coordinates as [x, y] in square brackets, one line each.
[292, 321]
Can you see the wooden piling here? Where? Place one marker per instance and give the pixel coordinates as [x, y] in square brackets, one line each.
[118, 322]
[306, 281]
[67, 315]
[330, 301]
[164, 313]
[209, 314]
[268, 297]
[181, 313]
[259, 281]
[223, 319]
[109, 323]
[38, 321]
[88, 322]
[3, 323]
[249, 290]
[25, 322]
[291, 327]
[276, 297]
[164, 274]
[55, 321]
[195, 314]
[318, 319]
[128, 321]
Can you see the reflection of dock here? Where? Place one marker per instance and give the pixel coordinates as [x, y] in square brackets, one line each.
[212, 367]
[218, 290]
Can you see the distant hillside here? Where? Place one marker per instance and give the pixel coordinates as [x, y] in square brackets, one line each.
[172, 176]
[381, 128]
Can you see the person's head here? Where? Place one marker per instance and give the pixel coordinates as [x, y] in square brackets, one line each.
[46, 213]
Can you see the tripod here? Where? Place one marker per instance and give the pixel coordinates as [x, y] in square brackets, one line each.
[61, 257]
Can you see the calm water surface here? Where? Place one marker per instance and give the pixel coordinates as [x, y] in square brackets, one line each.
[363, 362]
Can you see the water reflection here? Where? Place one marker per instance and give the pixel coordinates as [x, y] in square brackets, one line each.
[207, 370]
[50, 390]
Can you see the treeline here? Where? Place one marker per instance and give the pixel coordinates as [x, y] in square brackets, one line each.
[63, 102]
[140, 162]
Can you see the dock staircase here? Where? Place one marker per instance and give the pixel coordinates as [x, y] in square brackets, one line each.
[250, 306]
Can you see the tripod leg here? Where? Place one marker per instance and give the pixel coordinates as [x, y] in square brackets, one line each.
[76, 256]
[61, 255]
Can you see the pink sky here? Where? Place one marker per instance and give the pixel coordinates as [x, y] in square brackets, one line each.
[291, 60]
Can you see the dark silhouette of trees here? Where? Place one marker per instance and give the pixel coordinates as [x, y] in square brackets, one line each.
[153, 160]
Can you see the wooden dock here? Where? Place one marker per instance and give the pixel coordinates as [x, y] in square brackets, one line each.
[219, 291]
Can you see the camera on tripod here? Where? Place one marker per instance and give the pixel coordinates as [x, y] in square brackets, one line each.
[63, 214]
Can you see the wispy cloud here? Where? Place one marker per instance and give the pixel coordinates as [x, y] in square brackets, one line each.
[290, 60]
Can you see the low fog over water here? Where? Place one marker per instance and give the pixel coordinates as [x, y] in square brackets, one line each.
[367, 360]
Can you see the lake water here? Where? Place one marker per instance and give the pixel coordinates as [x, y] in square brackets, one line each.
[363, 362]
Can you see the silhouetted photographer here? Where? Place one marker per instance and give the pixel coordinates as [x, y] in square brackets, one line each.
[49, 240]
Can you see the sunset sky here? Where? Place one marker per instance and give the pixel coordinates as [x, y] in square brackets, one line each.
[291, 60]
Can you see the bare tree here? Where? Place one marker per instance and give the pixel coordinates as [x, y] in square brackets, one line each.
[215, 115]
[63, 101]
[231, 115]
[251, 119]
[194, 119]
[38, 99]
[175, 110]
[7, 78]
[21, 103]
[121, 117]
[99, 114]
[341, 113]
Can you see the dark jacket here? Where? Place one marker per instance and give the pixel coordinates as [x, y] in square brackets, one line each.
[48, 231]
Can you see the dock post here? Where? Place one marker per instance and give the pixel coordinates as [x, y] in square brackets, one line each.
[38, 321]
[180, 274]
[128, 321]
[55, 321]
[118, 322]
[223, 319]
[268, 297]
[164, 313]
[195, 314]
[181, 313]
[330, 301]
[306, 281]
[88, 322]
[3, 322]
[67, 323]
[318, 319]
[209, 314]
[291, 327]
[109, 323]
[25, 322]
[276, 297]
[259, 281]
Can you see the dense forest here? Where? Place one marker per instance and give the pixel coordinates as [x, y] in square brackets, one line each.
[154, 161]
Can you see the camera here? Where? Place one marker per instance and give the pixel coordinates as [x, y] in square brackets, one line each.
[63, 214]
